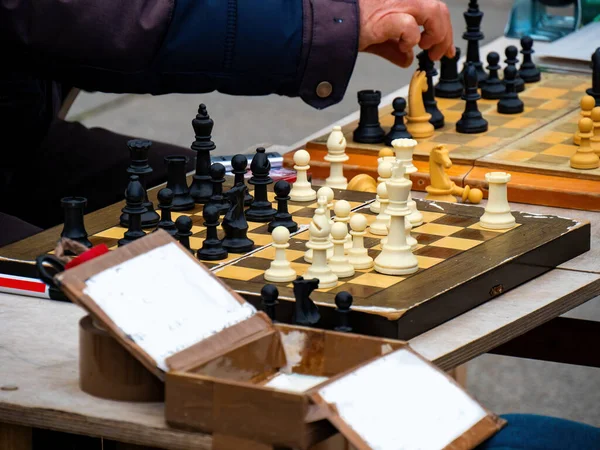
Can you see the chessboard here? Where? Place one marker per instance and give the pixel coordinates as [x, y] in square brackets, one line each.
[535, 146]
[461, 265]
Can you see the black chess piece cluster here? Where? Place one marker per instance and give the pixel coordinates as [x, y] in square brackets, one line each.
[306, 312]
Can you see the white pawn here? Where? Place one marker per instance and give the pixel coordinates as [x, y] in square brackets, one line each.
[409, 239]
[319, 243]
[341, 210]
[280, 270]
[358, 255]
[339, 262]
[326, 192]
[302, 191]
[382, 221]
[336, 157]
[384, 169]
[497, 215]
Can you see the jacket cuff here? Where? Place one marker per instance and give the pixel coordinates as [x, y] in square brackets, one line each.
[330, 45]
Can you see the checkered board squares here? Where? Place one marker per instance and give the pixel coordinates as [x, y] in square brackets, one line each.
[302, 214]
[544, 102]
[547, 151]
[441, 237]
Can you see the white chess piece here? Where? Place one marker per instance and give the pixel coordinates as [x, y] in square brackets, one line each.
[341, 211]
[382, 221]
[336, 157]
[384, 169]
[339, 262]
[302, 191]
[326, 192]
[319, 243]
[358, 255]
[497, 215]
[396, 257]
[404, 149]
[409, 239]
[280, 270]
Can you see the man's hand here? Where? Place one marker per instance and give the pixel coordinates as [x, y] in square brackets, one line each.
[390, 29]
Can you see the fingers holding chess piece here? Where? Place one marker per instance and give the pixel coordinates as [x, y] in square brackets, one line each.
[280, 270]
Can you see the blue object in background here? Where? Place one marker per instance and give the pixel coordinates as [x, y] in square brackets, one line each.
[544, 20]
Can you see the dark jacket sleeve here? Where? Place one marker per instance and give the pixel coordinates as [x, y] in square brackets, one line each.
[303, 48]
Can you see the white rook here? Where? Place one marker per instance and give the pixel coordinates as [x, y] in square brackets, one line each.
[497, 215]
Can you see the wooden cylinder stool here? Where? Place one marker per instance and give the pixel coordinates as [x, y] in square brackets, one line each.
[107, 370]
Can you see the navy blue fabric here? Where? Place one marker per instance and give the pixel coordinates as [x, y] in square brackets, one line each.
[535, 432]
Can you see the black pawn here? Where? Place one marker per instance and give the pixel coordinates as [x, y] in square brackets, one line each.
[239, 163]
[134, 206]
[510, 102]
[426, 65]
[260, 209]
[165, 199]
[473, 17]
[449, 85]
[528, 70]
[138, 151]
[217, 174]
[184, 231]
[306, 313]
[74, 227]
[398, 130]
[493, 88]
[511, 53]
[282, 218]
[471, 120]
[201, 188]
[594, 91]
[369, 130]
[212, 247]
[176, 181]
[234, 223]
[269, 294]
[343, 301]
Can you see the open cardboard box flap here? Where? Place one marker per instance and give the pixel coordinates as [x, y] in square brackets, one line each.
[172, 314]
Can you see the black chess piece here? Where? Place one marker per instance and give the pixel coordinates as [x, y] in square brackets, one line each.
[134, 206]
[369, 130]
[212, 247]
[217, 173]
[184, 231]
[473, 35]
[594, 91]
[165, 199]
[306, 313]
[239, 163]
[138, 151]
[471, 120]
[398, 130]
[260, 209]
[343, 301]
[176, 181]
[449, 85]
[282, 218]
[426, 65]
[269, 295]
[201, 187]
[528, 71]
[74, 226]
[510, 103]
[234, 223]
[493, 87]
[511, 53]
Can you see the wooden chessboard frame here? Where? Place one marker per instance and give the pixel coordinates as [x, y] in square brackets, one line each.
[535, 182]
[413, 306]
